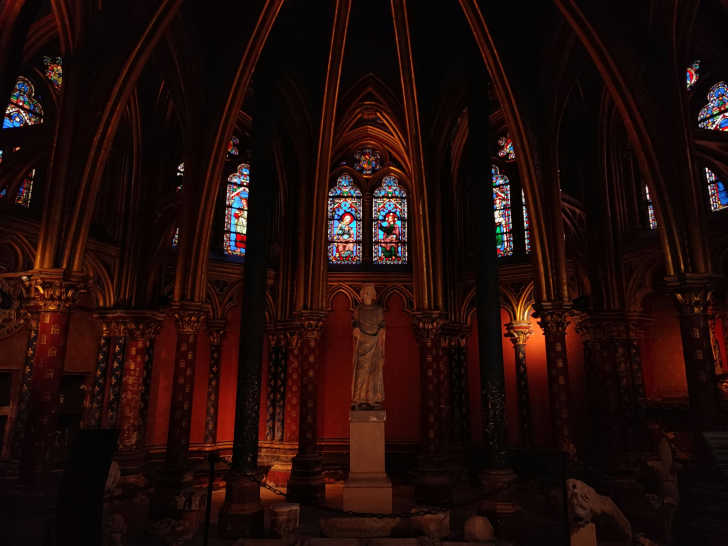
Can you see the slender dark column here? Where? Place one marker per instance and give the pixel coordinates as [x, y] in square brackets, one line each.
[459, 425]
[215, 332]
[96, 402]
[241, 513]
[293, 384]
[519, 332]
[21, 419]
[118, 352]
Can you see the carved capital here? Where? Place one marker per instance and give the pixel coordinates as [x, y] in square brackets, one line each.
[693, 295]
[552, 317]
[215, 331]
[52, 291]
[293, 339]
[312, 323]
[188, 317]
[453, 334]
[427, 325]
[518, 332]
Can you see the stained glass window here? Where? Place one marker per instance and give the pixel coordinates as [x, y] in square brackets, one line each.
[692, 73]
[651, 218]
[344, 219]
[717, 193]
[175, 237]
[3, 192]
[389, 223]
[505, 148]
[232, 149]
[502, 209]
[714, 115]
[181, 169]
[367, 161]
[526, 224]
[1, 157]
[54, 71]
[25, 191]
[24, 108]
[236, 211]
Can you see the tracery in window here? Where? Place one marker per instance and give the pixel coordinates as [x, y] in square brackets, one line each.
[505, 148]
[24, 108]
[236, 211]
[692, 74]
[344, 222]
[502, 210]
[651, 218]
[54, 71]
[389, 223]
[367, 161]
[717, 192]
[714, 115]
[232, 149]
[526, 224]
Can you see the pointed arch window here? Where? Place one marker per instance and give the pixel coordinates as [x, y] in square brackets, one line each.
[367, 161]
[692, 74]
[344, 222]
[502, 210]
[236, 211]
[25, 190]
[714, 115]
[24, 108]
[717, 191]
[389, 223]
[506, 151]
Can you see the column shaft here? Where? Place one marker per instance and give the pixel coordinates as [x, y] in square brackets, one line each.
[216, 333]
[519, 332]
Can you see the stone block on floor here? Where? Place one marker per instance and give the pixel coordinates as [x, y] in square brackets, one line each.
[353, 527]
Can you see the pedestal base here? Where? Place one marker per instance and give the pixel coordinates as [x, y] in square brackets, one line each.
[368, 489]
[241, 514]
[306, 484]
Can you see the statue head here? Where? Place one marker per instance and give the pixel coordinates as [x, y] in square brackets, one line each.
[368, 294]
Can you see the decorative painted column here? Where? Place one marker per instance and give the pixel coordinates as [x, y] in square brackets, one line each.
[98, 391]
[432, 484]
[118, 351]
[553, 319]
[693, 297]
[293, 385]
[216, 333]
[21, 418]
[53, 295]
[519, 332]
[307, 483]
[275, 414]
[459, 424]
[140, 328]
[188, 319]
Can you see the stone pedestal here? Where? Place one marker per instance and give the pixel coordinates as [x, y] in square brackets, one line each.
[367, 489]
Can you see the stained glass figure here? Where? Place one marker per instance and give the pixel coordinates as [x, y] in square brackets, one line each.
[367, 161]
[502, 209]
[181, 169]
[236, 211]
[232, 149]
[526, 224]
[25, 191]
[714, 115]
[505, 149]
[692, 74]
[344, 222]
[54, 71]
[717, 192]
[175, 237]
[24, 108]
[1, 156]
[651, 218]
[389, 223]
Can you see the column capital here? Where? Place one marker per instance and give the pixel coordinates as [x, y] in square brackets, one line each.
[552, 316]
[427, 325]
[518, 331]
[216, 331]
[454, 334]
[311, 323]
[189, 316]
[693, 294]
[53, 290]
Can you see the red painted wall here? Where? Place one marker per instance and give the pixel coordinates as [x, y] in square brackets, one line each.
[228, 378]
[12, 350]
[82, 343]
[160, 395]
[663, 363]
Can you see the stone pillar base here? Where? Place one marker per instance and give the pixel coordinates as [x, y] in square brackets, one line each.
[166, 492]
[241, 514]
[496, 479]
[368, 493]
[432, 484]
[306, 484]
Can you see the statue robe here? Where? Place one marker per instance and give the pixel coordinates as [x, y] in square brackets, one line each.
[368, 381]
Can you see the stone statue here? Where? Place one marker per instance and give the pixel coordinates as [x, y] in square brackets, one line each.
[367, 388]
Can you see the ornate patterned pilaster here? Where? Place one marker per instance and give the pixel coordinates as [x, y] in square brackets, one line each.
[92, 418]
[118, 352]
[188, 320]
[52, 295]
[455, 338]
[553, 319]
[293, 385]
[275, 407]
[693, 297]
[306, 483]
[21, 418]
[216, 333]
[519, 332]
[141, 328]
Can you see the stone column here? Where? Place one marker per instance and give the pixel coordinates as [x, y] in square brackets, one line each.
[307, 482]
[459, 424]
[188, 319]
[293, 385]
[432, 484]
[693, 297]
[216, 333]
[140, 328]
[53, 295]
[118, 349]
[553, 319]
[21, 417]
[519, 332]
[98, 391]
